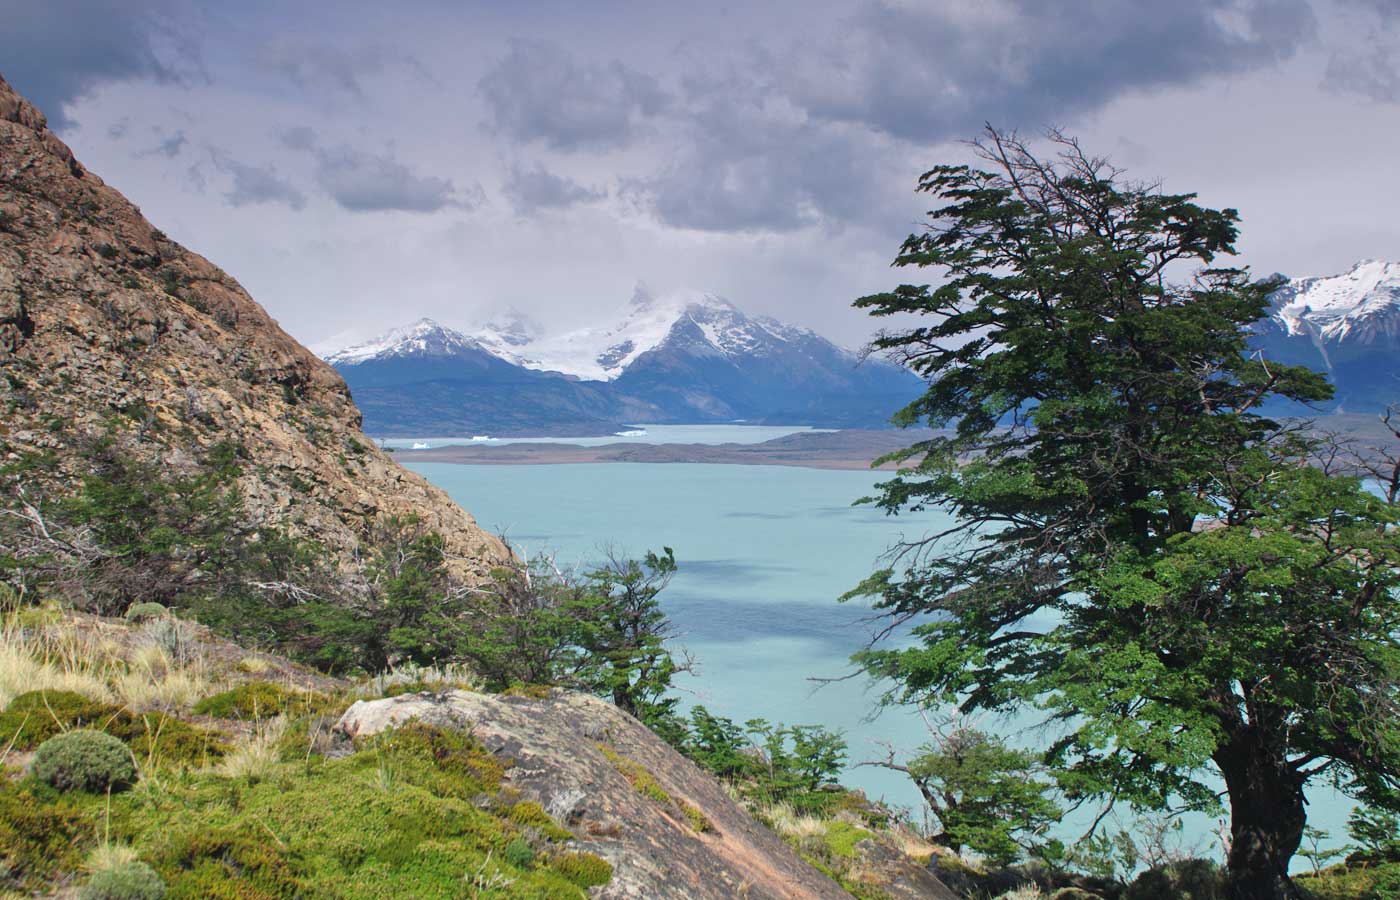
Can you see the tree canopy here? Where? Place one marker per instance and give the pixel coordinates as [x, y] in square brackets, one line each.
[1140, 554]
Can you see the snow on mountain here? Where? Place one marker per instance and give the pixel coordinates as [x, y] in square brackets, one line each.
[1362, 305]
[647, 322]
[424, 338]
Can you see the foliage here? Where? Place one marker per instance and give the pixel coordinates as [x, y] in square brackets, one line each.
[35, 716]
[1375, 831]
[986, 796]
[37, 839]
[1191, 879]
[84, 760]
[133, 881]
[1139, 553]
[769, 763]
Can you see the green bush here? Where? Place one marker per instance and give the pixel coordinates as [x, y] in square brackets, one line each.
[1189, 879]
[144, 612]
[35, 716]
[519, 854]
[133, 881]
[84, 760]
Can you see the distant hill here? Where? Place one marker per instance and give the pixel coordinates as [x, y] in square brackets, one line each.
[685, 357]
[1346, 325]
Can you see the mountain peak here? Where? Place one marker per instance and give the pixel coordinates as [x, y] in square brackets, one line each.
[1338, 307]
[423, 338]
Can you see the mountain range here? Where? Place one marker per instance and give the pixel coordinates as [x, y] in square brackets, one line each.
[681, 357]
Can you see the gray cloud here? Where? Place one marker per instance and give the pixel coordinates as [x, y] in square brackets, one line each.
[254, 185]
[375, 182]
[538, 92]
[57, 51]
[930, 72]
[169, 146]
[535, 189]
[1369, 68]
[313, 64]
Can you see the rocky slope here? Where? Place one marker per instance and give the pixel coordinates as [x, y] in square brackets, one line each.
[107, 324]
[668, 829]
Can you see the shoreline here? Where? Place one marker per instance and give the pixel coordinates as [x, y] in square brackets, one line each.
[841, 450]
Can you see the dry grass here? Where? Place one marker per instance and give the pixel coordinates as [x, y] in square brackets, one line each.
[107, 855]
[789, 824]
[1028, 892]
[256, 753]
[912, 845]
[65, 656]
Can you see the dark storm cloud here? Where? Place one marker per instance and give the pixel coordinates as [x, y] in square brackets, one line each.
[56, 51]
[360, 181]
[255, 185]
[799, 137]
[319, 64]
[538, 92]
[534, 189]
[930, 73]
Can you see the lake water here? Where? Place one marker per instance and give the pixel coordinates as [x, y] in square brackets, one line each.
[636, 434]
[764, 551]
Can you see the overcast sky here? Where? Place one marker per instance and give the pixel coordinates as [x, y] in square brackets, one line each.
[358, 165]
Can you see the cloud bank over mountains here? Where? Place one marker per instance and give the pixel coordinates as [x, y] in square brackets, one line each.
[437, 159]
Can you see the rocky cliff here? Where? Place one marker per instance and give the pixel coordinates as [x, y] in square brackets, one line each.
[104, 320]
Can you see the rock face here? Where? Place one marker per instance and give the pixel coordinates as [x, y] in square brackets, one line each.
[588, 765]
[103, 318]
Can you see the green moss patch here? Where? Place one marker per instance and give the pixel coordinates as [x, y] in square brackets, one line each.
[156, 739]
[257, 700]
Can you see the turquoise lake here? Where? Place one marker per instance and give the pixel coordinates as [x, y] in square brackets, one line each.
[764, 553]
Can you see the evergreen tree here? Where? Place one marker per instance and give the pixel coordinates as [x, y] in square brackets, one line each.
[1140, 554]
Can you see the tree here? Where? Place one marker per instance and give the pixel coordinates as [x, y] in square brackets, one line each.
[1139, 554]
[986, 796]
[623, 634]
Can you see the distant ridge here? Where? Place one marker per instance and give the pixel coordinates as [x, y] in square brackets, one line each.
[679, 357]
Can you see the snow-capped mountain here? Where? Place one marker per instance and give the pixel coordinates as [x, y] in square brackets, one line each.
[427, 379]
[424, 338]
[682, 357]
[1347, 325]
[648, 321]
[700, 358]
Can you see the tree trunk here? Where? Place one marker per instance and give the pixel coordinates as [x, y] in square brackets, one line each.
[1266, 819]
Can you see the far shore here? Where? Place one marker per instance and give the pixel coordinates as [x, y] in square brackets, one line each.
[850, 450]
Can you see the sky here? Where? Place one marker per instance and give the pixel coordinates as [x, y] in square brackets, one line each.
[360, 165]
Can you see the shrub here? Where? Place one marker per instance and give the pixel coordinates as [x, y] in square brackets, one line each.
[132, 881]
[1189, 879]
[84, 760]
[36, 839]
[144, 612]
[583, 869]
[519, 854]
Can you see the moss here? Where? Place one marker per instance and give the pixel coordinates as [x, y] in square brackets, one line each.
[583, 869]
[256, 700]
[841, 838]
[531, 815]
[519, 853]
[1344, 882]
[35, 716]
[37, 839]
[696, 818]
[156, 739]
[84, 760]
[637, 775]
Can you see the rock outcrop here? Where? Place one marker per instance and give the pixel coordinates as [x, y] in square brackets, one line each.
[669, 829]
[103, 318]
